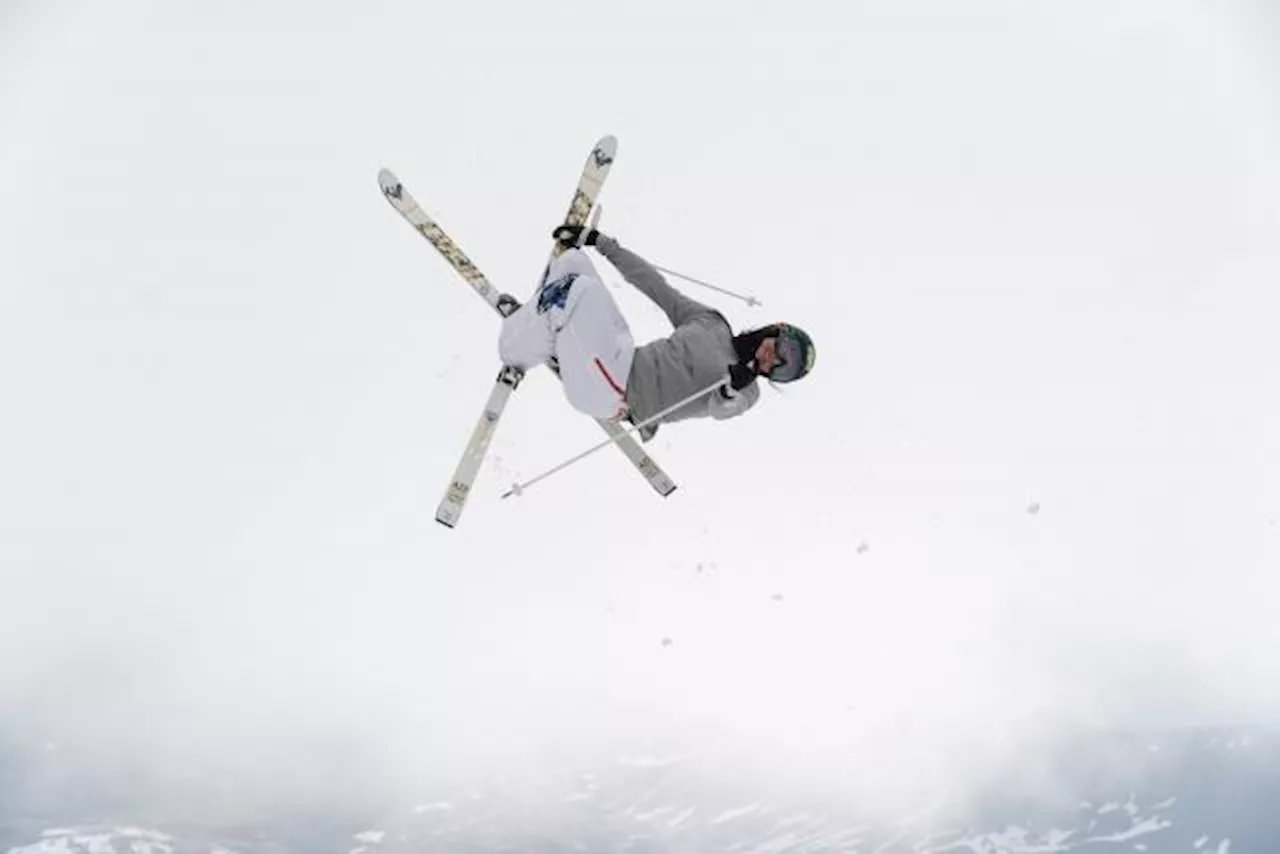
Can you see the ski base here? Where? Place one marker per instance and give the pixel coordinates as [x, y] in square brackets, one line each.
[456, 494]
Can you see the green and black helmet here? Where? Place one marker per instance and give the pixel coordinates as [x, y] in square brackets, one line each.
[796, 354]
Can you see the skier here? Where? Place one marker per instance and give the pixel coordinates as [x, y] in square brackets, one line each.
[574, 319]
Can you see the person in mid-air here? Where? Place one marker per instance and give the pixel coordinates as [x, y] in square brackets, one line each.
[574, 319]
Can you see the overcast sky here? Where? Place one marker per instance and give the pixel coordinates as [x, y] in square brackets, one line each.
[1032, 482]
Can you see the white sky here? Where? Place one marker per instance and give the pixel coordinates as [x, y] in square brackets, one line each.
[1036, 246]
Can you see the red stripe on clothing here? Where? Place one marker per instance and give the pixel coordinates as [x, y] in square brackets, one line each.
[609, 378]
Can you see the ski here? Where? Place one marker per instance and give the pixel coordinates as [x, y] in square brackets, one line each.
[455, 495]
[594, 171]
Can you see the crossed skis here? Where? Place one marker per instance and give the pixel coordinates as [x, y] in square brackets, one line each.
[594, 171]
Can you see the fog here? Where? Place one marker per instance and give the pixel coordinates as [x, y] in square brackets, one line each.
[1031, 485]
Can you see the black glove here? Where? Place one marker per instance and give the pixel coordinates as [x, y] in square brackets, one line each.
[729, 401]
[570, 236]
[740, 377]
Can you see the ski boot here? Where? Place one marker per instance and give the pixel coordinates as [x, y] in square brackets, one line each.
[507, 304]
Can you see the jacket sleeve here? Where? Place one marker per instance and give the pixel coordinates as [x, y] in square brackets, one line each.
[720, 407]
[679, 308]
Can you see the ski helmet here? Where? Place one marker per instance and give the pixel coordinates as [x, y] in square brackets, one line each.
[796, 354]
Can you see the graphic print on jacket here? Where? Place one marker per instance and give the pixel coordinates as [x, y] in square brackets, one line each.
[556, 294]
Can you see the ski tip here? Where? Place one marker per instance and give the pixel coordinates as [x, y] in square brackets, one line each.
[606, 148]
[390, 185]
[448, 512]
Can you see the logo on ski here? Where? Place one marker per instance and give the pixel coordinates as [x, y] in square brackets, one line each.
[601, 157]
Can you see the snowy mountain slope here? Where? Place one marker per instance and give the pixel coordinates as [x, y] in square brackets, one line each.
[1212, 792]
[1184, 792]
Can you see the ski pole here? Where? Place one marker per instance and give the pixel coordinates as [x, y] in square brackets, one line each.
[519, 488]
[749, 300]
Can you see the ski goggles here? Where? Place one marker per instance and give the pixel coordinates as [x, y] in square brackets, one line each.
[794, 358]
